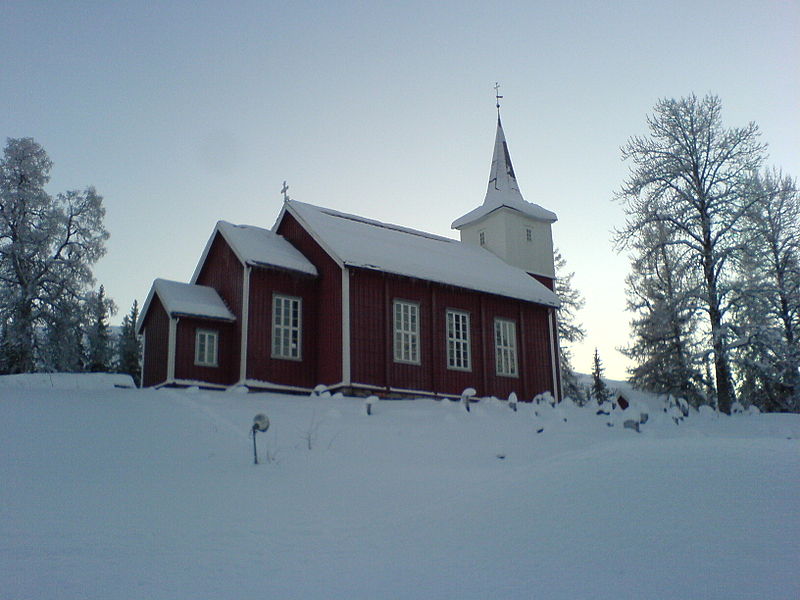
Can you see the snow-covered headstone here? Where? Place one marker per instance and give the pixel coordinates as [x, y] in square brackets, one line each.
[466, 397]
[370, 400]
[512, 401]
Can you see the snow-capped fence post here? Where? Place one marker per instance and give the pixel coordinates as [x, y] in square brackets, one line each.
[512, 401]
[260, 423]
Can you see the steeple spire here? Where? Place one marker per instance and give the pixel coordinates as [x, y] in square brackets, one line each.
[503, 189]
[502, 180]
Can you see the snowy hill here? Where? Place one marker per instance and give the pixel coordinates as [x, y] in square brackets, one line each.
[115, 493]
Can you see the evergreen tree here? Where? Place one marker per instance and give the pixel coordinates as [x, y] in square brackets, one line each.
[570, 330]
[599, 389]
[662, 294]
[98, 335]
[129, 346]
[62, 350]
[693, 176]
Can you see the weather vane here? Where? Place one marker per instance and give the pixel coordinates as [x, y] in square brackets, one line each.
[284, 191]
[497, 95]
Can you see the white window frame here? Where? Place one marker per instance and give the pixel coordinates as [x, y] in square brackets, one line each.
[405, 320]
[287, 327]
[505, 347]
[528, 234]
[482, 237]
[459, 355]
[206, 347]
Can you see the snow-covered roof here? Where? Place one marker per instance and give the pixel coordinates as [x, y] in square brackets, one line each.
[187, 299]
[503, 189]
[256, 246]
[358, 242]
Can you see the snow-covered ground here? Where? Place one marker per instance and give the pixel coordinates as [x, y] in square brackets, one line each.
[119, 493]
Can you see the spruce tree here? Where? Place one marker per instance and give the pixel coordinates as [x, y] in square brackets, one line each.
[129, 346]
[661, 293]
[570, 329]
[98, 334]
[599, 389]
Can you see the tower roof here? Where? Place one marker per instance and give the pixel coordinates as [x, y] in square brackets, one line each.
[503, 189]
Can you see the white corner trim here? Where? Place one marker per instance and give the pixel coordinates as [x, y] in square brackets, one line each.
[141, 364]
[245, 322]
[345, 326]
[557, 393]
[172, 339]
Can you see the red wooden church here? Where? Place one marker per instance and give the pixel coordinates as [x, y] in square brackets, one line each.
[362, 306]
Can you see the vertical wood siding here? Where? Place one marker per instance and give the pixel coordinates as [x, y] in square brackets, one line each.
[547, 282]
[264, 283]
[227, 370]
[156, 340]
[327, 309]
[372, 296]
[223, 272]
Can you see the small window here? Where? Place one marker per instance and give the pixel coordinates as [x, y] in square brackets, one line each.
[205, 348]
[505, 347]
[458, 351]
[528, 235]
[406, 332]
[286, 327]
[482, 237]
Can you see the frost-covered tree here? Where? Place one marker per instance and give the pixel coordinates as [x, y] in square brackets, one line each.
[599, 389]
[693, 176]
[768, 299]
[129, 346]
[570, 329]
[99, 350]
[47, 248]
[661, 291]
[62, 346]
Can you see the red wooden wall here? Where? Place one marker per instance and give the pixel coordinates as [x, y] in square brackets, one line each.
[223, 272]
[260, 364]
[328, 306]
[227, 370]
[156, 341]
[372, 295]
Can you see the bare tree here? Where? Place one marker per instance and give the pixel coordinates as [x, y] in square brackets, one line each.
[47, 248]
[768, 300]
[693, 176]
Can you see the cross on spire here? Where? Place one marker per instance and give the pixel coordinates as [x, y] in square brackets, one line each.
[284, 191]
[497, 96]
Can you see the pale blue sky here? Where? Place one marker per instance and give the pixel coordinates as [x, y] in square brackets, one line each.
[188, 113]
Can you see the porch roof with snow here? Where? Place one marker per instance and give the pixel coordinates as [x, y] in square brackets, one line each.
[186, 300]
[503, 190]
[258, 247]
[358, 242]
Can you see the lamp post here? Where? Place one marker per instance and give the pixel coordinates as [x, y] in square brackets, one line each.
[260, 423]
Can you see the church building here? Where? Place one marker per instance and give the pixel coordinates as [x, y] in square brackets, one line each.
[365, 307]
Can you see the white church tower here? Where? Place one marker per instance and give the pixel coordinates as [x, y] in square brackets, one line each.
[517, 231]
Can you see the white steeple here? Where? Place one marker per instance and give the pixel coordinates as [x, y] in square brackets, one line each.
[515, 230]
